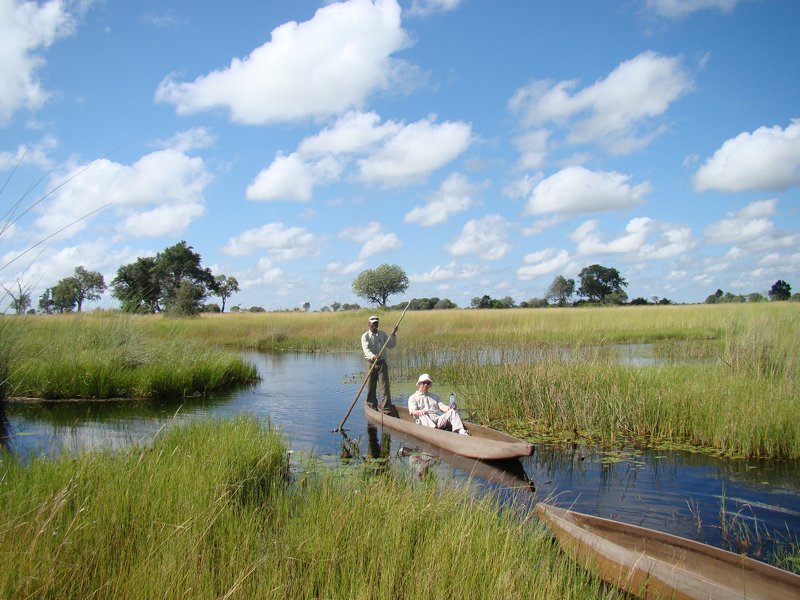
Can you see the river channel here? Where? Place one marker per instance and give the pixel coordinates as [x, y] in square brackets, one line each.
[718, 501]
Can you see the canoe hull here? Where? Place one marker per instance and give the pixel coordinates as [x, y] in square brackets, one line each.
[483, 443]
[653, 564]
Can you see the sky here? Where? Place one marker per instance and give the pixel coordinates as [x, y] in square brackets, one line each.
[485, 147]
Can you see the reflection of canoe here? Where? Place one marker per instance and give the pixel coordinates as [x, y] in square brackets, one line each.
[507, 472]
[652, 564]
[482, 442]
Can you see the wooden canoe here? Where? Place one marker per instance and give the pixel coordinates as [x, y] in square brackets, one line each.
[652, 564]
[482, 442]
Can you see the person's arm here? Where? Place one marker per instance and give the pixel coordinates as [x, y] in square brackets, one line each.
[392, 341]
[415, 406]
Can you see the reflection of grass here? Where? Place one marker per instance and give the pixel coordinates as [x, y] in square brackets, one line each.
[207, 512]
[92, 356]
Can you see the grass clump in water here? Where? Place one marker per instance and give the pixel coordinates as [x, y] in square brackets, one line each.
[102, 357]
[208, 512]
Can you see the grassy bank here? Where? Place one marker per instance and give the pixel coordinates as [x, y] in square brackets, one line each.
[110, 356]
[207, 512]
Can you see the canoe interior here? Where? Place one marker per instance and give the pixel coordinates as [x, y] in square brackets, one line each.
[653, 564]
[482, 442]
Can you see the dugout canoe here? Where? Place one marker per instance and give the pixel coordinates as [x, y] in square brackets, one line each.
[653, 564]
[482, 442]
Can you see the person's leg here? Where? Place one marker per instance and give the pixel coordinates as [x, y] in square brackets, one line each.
[452, 418]
[372, 385]
[386, 394]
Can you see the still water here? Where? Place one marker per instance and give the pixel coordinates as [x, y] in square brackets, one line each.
[712, 500]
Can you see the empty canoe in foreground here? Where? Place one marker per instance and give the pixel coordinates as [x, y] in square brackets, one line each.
[482, 442]
[653, 564]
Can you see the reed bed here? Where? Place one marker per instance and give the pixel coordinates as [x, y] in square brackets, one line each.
[207, 511]
[101, 357]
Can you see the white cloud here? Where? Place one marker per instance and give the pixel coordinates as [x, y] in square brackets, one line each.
[166, 181]
[487, 238]
[767, 159]
[343, 53]
[373, 239]
[448, 272]
[672, 242]
[282, 242]
[541, 263]
[191, 139]
[26, 29]
[681, 8]
[579, 190]
[454, 196]
[344, 269]
[615, 112]
[747, 225]
[589, 241]
[292, 178]
[35, 154]
[426, 7]
[414, 152]
[533, 148]
[355, 132]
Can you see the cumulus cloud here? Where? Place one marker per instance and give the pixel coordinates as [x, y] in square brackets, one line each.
[672, 242]
[449, 272]
[767, 159]
[191, 139]
[390, 153]
[589, 241]
[617, 112]
[414, 152]
[532, 147]
[680, 8]
[344, 53]
[166, 184]
[578, 190]
[746, 225]
[455, 195]
[373, 239]
[26, 29]
[541, 263]
[281, 242]
[292, 178]
[487, 238]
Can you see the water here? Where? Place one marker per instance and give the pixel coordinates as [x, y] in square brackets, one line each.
[307, 396]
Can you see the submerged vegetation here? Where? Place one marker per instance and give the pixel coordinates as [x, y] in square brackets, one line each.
[207, 511]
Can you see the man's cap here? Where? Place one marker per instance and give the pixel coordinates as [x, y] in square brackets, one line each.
[424, 377]
[373, 319]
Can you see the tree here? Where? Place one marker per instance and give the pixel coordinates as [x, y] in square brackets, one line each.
[306, 306]
[560, 291]
[599, 283]
[226, 287]
[376, 285]
[152, 285]
[21, 298]
[64, 295]
[335, 306]
[780, 290]
[90, 285]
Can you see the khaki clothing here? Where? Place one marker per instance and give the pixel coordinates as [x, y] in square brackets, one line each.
[371, 344]
[441, 414]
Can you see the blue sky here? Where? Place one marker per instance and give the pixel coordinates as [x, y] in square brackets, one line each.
[485, 147]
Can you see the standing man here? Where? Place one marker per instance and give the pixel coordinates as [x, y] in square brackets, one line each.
[372, 343]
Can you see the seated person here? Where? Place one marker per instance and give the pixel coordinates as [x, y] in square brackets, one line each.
[428, 411]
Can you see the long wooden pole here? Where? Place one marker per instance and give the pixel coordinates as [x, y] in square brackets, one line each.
[372, 366]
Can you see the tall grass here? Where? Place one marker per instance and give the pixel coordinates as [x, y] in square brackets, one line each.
[90, 356]
[207, 512]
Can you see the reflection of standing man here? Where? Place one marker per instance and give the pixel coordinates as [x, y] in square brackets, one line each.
[372, 343]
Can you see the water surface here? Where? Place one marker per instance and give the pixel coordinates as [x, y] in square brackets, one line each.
[307, 396]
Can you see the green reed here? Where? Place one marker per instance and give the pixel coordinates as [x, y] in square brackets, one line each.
[101, 356]
[207, 511]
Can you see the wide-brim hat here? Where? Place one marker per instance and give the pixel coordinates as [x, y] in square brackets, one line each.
[424, 377]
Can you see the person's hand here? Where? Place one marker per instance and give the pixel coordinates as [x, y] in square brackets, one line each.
[395, 329]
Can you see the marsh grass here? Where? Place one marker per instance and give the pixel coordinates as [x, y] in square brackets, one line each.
[207, 512]
[100, 356]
